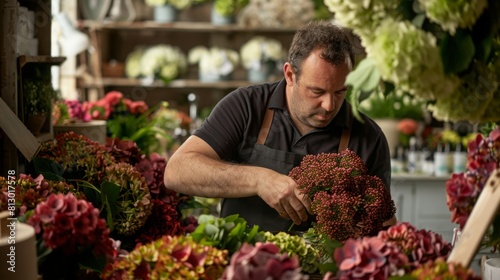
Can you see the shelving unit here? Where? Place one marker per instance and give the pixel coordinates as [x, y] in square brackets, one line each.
[25, 69]
[115, 40]
[15, 137]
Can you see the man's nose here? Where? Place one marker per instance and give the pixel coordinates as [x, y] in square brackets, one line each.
[328, 103]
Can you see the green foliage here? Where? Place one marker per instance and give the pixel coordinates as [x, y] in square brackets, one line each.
[295, 245]
[229, 7]
[392, 106]
[38, 96]
[227, 233]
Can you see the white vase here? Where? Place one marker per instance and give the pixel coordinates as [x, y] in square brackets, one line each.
[165, 13]
[390, 130]
[218, 19]
[94, 130]
[492, 269]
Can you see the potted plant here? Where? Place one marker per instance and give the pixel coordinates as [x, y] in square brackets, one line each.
[215, 63]
[157, 62]
[166, 10]
[223, 11]
[38, 96]
[261, 56]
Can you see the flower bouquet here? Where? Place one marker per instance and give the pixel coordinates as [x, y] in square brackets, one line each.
[262, 54]
[347, 202]
[445, 53]
[164, 62]
[215, 63]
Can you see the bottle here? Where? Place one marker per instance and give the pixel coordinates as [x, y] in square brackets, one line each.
[395, 162]
[459, 159]
[412, 156]
[440, 161]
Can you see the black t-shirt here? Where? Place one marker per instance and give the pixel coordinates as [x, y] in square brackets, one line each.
[234, 124]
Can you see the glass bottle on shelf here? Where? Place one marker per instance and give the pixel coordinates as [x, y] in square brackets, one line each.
[441, 160]
[459, 159]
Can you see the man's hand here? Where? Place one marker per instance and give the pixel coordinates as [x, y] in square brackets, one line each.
[281, 193]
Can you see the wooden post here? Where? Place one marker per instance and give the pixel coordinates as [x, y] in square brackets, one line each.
[480, 219]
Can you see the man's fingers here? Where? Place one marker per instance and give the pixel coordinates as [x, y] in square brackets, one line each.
[305, 200]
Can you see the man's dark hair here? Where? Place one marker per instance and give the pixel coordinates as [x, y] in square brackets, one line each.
[334, 40]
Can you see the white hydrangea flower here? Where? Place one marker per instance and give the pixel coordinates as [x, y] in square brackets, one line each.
[362, 16]
[215, 62]
[400, 61]
[450, 14]
[133, 63]
[260, 49]
[156, 58]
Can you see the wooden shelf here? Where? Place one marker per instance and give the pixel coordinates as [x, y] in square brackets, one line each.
[182, 26]
[44, 137]
[194, 84]
[43, 59]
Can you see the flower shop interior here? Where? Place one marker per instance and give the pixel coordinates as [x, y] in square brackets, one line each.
[97, 95]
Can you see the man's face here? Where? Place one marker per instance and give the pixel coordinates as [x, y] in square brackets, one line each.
[315, 99]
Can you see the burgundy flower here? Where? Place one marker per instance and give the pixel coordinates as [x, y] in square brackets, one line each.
[71, 232]
[262, 261]
[369, 258]
[419, 245]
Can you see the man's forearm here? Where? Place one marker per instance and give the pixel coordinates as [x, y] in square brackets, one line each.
[199, 175]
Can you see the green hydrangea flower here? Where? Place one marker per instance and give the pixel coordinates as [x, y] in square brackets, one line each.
[363, 16]
[134, 201]
[400, 61]
[451, 14]
[295, 245]
[471, 99]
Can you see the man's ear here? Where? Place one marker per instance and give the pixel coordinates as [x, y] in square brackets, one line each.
[288, 73]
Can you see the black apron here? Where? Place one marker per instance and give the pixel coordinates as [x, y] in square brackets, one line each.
[253, 209]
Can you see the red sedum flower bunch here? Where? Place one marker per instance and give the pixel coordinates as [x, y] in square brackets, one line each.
[262, 261]
[124, 150]
[463, 189]
[68, 223]
[171, 257]
[347, 202]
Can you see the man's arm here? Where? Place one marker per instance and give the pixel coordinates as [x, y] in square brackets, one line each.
[196, 169]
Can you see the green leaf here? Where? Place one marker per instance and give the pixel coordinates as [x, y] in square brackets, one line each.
[365, 77]
[50, 169]
[109, 197]
[89, 260]
[457, 52]
[418, 20]
[404, 277]
[353, 97]
[484, 47]
[211, 230]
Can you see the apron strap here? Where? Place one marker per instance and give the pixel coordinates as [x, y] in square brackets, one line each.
[266, 126]
[346, 133]
[268, 118]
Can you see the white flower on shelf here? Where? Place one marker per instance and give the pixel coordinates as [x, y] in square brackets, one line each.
[260, 50]
[214, 63]
[161, 61]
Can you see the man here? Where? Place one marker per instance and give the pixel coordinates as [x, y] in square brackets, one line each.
[257, 134]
